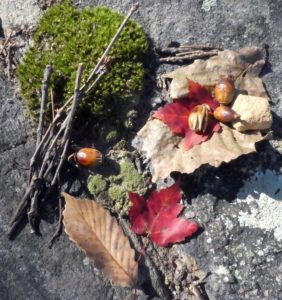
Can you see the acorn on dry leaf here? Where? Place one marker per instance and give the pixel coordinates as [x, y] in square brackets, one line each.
[199, 118]
[224, 90]
[225, 114]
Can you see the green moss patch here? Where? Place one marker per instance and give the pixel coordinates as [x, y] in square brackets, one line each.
[128, 180]
[65, 37]
[97, 184]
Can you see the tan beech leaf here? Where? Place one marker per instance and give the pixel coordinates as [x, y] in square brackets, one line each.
[167, 154]
[208, 72]
[94, 231]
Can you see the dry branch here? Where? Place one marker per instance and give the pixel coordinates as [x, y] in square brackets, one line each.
[188, 57]
[51, 146]
[200, 47]
[67, 134]
[185, 53]
[6, 42]
[44, 97]
[9, 62]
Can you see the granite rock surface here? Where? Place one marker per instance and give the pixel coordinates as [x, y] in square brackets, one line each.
[238, 204]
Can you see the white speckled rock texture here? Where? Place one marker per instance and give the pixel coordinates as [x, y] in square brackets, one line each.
[242, 254]
[19, 13]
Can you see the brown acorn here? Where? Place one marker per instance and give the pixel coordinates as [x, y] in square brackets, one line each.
[199, 118]
[88, 157]
[225, 114]
[224, 90]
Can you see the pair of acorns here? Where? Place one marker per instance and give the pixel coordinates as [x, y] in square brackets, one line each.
[198, 119]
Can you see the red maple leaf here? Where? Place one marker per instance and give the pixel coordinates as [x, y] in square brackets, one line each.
[158, 216]
[176, 114]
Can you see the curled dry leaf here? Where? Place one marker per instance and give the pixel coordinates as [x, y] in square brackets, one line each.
[167, 153]
[247, 62]
[94, 231]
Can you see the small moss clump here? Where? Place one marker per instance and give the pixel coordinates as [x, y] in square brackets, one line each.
[97, 184]
[65, 37]
[128, 180]
[116, 192]
[112, 136]
[132, 180]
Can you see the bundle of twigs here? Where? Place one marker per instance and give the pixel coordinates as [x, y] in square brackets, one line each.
[185, 53]
[52, 146]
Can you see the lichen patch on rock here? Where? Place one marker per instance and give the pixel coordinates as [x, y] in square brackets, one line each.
[19, 13]
[265, 204]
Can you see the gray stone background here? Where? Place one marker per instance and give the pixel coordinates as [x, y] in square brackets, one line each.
[239, 204]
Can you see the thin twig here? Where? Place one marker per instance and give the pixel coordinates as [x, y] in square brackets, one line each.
[186, 48]
[201, 47]
[184, 53]
[96, 80]
[44, 97]
[59, 224]
[22, 208]
[169, 50]
[187, 57]
[6, 42]
[52, 103]
[9, 62]
[45, 140]
[102, 59]
[33, 212]
[157, 281]
[21, 205]
[45, 82]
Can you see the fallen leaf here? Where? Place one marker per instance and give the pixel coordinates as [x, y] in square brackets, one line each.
[253, 86]
[158, 216]
[247, 62]
[176, 114]
[94, 231]
[167, 152]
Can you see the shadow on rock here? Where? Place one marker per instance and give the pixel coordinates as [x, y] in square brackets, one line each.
[225, 181]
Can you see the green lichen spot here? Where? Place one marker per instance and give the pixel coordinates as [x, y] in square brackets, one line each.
[97, 184]
[65, 37]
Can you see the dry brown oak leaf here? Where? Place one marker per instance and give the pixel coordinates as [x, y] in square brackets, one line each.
[97, 233]
[244, 65]
[167, 154]
[166, 151]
